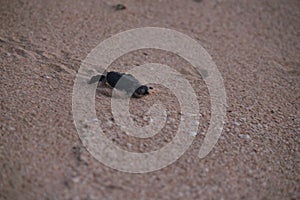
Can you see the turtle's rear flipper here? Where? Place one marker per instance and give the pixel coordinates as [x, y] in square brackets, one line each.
[97, 78]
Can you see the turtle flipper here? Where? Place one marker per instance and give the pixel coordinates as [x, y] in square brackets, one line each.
[96, 78]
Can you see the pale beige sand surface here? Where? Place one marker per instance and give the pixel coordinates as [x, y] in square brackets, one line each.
[255, 44]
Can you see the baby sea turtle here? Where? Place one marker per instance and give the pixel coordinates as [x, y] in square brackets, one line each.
[128, 83]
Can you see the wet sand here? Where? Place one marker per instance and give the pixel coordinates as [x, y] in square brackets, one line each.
[255, 45]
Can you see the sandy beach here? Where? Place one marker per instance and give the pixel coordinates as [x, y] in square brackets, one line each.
[255, 45]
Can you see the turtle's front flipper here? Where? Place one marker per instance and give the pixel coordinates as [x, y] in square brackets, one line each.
[97, 78]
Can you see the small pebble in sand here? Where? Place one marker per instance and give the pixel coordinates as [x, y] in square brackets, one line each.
[95, 120]
[45, 76]
[236, 123]
[243, 119]
[151, 120]
[76, 179]
[119, 7]
[129, 145]
[193, 133]
[10, 128]
[196, 122]
[244, 136]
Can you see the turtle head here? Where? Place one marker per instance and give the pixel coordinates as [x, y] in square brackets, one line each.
[142, 91]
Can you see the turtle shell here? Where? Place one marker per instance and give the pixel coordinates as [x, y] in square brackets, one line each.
[127, 82]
